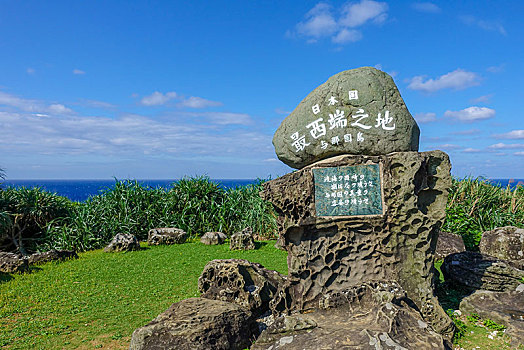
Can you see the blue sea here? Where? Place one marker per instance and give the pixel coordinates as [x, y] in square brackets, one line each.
[80, 190]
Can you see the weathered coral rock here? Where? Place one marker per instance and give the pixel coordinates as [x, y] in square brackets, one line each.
[123, 242]
[51, 255]
[506, 308]
[197, 324]
[479, 271]
[361, 102]
[12, 263]
[242, 240]
[166, 235]
[375, 315]
[213, 238]
[328, 254]
[448, 243]
[506, 243]
[239, 281]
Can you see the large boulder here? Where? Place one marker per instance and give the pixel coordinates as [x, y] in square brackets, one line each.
[12, 263]
[197, 324]
[213, 238]
[122, 242]
[370, 316]
[506, 243]
[448, 243]
[166, 235]
[506, 308]
[479, 271]
[51, 255]
[239, 281]
[358, 111]
[242, 240]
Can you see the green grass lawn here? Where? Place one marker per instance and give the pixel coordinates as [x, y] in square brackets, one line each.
[98, 300]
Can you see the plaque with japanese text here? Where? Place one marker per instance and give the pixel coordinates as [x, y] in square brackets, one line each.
[348, 190]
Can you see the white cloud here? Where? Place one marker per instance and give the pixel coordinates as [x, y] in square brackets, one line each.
[425, 117]
[483, 24]
[157, 98]
[449, 146]
[514, 134]
[30, 71]
[482, 99]
[427, 7]
[29, 105]
[59, 109]
[458, 79]
[467, 132]
[78, 72]
[198, 102]
[471, 150]
[355, 15]
[282, 111]
[229, 118]
[321, 21]
[471, 114]
[501, 145]
[519, 153]
[496, 69]
[98, 104]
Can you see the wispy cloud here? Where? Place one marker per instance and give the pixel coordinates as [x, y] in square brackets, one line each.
[458, 79]
[158, 98]
[501, 145]
[496, 69]
[427, 7]
[35, 106]
[519, 153]
[482, 99]
[471, 150]
[514, 134]
[449, 147]
[424, 118]
[30, 71]
[488, 25]
[467, 132]
[198, 102]
[78, 72]
[98, 104]
[339, 24]
[471, 114]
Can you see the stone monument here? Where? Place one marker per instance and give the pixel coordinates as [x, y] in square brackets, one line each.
[364, 206]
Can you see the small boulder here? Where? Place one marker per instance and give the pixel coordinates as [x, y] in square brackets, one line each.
[40, 258]
[478, 271]
[197, 324]
[506, 308]
[12, 263]
[505, 243]
[239, 281]
[242, 240]
[213, 238]
[448, 243]
[166, 235]
[123, 242]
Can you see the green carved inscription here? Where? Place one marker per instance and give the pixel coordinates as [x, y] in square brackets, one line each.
[348, 190]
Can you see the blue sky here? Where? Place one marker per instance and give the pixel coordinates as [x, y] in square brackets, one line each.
[164, 89]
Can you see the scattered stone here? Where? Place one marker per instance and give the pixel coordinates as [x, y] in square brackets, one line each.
[239, 281]
[506, 308]
[448, 243]
[122, 242]
[166, 235]
[506, 243]
[12, 263]
[479, 271]
[371, 316]
[373, 95]
[197, 324]
[51, 255]
[242, 240]
[213, 238]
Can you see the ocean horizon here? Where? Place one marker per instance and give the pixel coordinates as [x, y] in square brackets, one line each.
[81, 190]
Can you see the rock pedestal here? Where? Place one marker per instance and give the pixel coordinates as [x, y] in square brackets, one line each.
[388, 233]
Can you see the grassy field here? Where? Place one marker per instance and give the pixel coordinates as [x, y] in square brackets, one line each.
[98, 300]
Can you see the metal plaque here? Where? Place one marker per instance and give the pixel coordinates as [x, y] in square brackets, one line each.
[348, 190]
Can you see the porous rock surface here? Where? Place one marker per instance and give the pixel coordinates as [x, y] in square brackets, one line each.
[506, 243]
[51, 255]
[166, 235]
[506, 308]
[327, 254]
[479, 271]
[239, 281]
[12, 263]
[377, 93]
[448, 243]
[372, 316]
[242, 240]
[197, 324]
[122, 242]
[213, 238]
